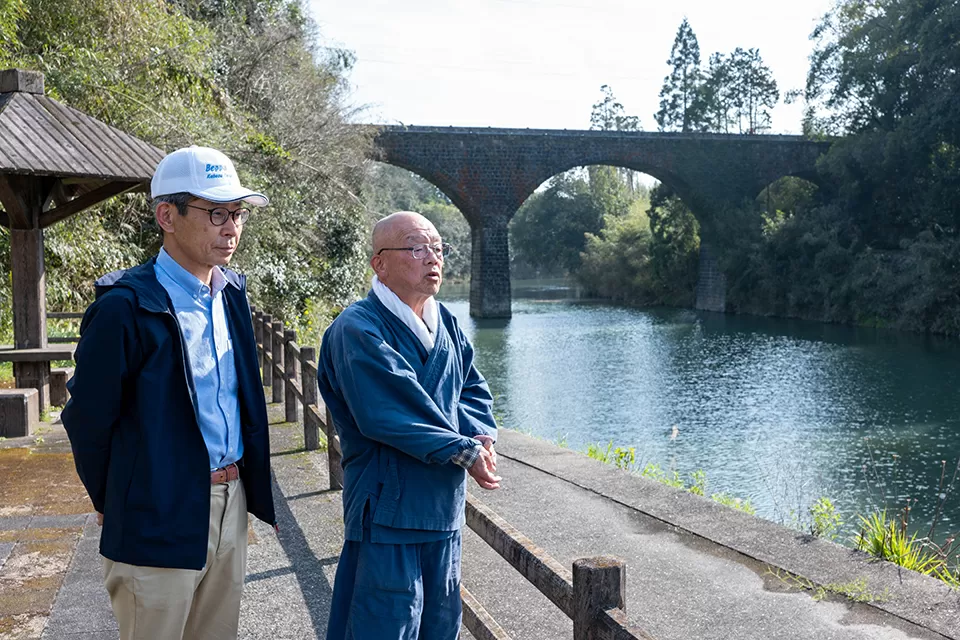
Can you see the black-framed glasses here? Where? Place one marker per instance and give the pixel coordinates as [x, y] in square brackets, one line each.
[419, 251]
[220, 215]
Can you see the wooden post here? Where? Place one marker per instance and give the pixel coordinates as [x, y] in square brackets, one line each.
[258, 334]
[311, 425]
[334, 457]
[276, 340]
[29, 309]
[598, 584]
[267, 348]
[292, 374]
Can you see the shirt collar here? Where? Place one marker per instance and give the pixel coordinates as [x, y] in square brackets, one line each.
[186, 280]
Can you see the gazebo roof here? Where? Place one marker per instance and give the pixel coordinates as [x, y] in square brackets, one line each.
[41, 137]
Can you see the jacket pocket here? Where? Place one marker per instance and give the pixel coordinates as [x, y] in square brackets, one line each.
[390, 494]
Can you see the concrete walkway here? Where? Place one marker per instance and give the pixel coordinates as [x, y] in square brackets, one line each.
[696, 570]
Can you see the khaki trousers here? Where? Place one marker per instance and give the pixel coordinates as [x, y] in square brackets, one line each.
[152, 603]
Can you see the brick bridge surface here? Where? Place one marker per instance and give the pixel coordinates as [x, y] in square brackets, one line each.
[488, 173]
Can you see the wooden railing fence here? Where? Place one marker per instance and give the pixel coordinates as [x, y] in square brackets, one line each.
[290, 371]
[592, 596]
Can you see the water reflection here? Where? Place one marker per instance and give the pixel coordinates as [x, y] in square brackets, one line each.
[780, 411]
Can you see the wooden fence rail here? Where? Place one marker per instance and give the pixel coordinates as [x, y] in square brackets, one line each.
[592, 596]
[63, 315]
[291, 373]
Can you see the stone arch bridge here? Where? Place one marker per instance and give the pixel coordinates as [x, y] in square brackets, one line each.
[488, 173]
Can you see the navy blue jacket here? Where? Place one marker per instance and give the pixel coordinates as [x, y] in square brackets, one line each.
[401, 414]
[132, 422]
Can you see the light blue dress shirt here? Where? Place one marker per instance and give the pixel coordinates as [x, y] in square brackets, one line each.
[203, 324]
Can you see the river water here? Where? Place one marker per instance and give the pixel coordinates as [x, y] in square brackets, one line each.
[776, 411]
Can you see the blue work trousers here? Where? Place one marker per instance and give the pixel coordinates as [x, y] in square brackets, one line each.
[397, 591]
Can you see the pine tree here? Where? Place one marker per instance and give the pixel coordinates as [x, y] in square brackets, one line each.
[678, 97]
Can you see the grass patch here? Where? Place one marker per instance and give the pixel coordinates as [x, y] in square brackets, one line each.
[857, 590]
[887, 538]
[625, 458]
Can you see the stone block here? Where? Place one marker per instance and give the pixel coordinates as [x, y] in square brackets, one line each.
[19, 412]
[58, 385]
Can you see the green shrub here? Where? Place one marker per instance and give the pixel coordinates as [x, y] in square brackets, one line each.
[825, 521]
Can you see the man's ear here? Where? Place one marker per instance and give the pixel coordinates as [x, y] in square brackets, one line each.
[164, 215]
[377, 263]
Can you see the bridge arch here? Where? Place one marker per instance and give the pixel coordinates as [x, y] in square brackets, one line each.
[489, 173]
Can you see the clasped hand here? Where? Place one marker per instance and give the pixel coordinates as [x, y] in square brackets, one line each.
[484, 470]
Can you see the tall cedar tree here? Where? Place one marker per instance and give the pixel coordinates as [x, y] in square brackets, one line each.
[678, 97]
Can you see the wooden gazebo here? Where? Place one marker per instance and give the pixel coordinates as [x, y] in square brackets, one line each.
[54, 162]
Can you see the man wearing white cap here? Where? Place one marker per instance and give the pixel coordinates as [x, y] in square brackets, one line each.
[167, 417]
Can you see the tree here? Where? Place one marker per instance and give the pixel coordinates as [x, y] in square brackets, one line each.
[716, 98]
[609, 115]
[548, 232]
[615, 262]
[678, 97]
[674, 245]
[613, 188]
[243, 76]
[885, 73]
[752, 91]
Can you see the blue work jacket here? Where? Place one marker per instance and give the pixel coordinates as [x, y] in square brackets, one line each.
[401, 414]
[132, 422]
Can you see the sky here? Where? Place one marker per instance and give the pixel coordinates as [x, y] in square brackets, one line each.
[540, 63]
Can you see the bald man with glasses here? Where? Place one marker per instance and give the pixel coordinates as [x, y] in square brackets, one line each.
[415, 418]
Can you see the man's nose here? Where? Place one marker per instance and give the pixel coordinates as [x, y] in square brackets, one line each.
[230, 227]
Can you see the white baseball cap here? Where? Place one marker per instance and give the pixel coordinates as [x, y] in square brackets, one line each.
[204, 173]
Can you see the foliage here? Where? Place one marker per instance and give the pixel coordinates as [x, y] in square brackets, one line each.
[615, 262]
[621, 457]
[825, 521]
[740, 89]
[387, 188]
[548, 232]
[674, 248]
[246, 77]
[878, 244]
[698, 484]
[681, 87]
[736, 91]
[625, 458]
[652, 471]
[614, 189]
[609, 115]
[886, 538]
[11, 12]
[648, 257]
[716, 98]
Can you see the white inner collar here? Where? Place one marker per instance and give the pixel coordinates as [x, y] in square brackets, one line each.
[424, 328]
